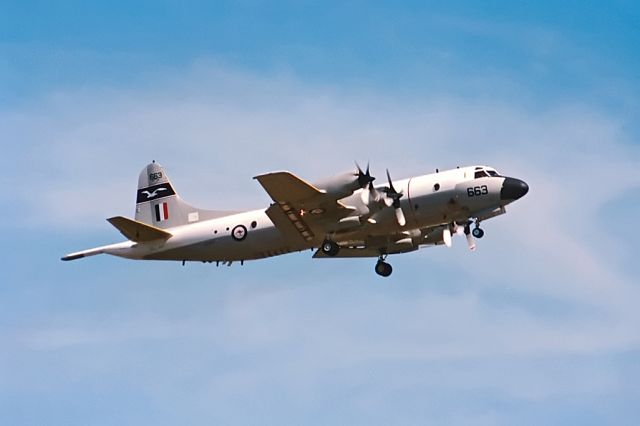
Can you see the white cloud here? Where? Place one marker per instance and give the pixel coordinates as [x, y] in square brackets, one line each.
[214, 129]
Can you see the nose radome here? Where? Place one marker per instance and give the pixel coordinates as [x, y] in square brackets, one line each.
[512, 189]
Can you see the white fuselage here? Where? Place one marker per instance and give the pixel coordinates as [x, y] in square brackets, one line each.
[428, 201]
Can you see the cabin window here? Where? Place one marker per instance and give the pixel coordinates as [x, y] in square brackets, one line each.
[254, 224]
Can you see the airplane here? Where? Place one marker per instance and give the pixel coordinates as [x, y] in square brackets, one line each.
[344, 216]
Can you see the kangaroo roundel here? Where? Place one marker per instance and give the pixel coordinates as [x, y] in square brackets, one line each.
[239, 233]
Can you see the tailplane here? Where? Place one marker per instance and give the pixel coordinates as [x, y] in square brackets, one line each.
[138, 231]
[158, 204]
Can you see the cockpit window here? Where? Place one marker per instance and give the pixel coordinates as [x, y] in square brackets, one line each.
[480, 173]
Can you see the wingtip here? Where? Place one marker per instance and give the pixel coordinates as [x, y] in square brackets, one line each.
[113, 219]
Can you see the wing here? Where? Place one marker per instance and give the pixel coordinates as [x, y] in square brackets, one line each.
[372, 248]
[349, 252]
[301, 210]
[401, 242]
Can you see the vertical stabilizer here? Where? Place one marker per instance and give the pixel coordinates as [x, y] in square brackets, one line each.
[158, 204]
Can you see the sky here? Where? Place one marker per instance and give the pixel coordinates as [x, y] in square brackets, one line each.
[538, 326]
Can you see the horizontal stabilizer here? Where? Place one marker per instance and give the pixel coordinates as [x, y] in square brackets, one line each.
[113, 249]
[138, 231]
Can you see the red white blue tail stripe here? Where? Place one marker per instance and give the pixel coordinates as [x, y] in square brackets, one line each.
[162, 212]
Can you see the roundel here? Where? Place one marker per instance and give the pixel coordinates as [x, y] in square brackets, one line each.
[239, 232]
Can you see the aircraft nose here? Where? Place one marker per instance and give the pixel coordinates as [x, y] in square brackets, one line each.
[512, 189]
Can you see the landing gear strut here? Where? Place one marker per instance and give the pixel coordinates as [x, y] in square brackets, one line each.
[383, 268]
[330, 248]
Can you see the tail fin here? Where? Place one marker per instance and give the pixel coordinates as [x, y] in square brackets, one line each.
[159, 205]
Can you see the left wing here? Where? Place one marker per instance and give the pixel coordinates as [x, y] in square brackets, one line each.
[300, 208]
[402, 242]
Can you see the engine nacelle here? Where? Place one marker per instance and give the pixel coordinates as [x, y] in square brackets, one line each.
[340, 186]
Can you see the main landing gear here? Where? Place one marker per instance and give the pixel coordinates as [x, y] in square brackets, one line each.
[383, 268]
[330, 248]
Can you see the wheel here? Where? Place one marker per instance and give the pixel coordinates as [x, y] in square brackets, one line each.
[478, 233]
[383, 269]
[330, 248]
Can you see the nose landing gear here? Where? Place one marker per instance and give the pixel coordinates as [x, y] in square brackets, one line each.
[477, 231]
[383, 268]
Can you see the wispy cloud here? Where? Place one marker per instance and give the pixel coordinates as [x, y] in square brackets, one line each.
[78, 157]
[213, 126]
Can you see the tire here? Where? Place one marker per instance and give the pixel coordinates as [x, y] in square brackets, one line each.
[330, 248]
[383, 269]
[478, 233]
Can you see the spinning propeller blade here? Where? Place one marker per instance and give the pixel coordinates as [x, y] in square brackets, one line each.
[393, 199]
[370, 194]
[364, 178]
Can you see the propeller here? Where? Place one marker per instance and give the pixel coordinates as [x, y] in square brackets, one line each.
[393, 199]
[370, 195]
[364, 178]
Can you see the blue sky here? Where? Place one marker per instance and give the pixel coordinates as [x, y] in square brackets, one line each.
[538, 326]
